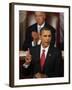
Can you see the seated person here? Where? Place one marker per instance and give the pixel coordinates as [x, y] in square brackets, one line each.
[44, 60]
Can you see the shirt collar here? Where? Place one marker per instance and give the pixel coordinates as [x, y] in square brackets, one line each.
[41, 25]
[38, 43]
[44, 48]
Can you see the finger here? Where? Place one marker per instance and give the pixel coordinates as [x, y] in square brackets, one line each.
[28, 57]
[27, 60]
[28, 50]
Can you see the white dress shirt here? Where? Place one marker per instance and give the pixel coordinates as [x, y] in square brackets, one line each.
[40, 26]
[46, 51]
[38, 43]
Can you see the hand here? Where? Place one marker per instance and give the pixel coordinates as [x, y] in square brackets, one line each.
[35, 36]
[37, 75]
[40, 75]
[44, 76]
[28, 57]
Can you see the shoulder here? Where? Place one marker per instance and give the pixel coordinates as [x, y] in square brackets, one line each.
[57, 53]
[35, 49]
[54, 50]
[51, 27]
[32, 26]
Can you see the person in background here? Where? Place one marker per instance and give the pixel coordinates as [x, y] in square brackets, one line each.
[36, 39]
[41, 22]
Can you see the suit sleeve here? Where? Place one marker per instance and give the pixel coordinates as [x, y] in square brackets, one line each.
[25, 72]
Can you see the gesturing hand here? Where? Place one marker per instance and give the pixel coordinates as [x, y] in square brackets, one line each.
[40, 75]
[28, 57]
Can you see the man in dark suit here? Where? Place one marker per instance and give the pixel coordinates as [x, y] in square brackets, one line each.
[40, 18]
[43, 60]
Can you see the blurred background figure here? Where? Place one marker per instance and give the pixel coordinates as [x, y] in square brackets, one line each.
[36, 40]
[40, 18]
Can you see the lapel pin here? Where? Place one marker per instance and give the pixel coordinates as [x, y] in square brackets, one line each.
[49, 54]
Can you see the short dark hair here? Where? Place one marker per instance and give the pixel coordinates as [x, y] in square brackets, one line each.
[46, 28]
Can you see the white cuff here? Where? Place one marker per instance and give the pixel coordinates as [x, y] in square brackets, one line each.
[26, 65]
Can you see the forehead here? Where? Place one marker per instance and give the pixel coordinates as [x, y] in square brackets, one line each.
[39, 13]
[46, 32]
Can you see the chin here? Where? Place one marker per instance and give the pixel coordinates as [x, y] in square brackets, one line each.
[40, 23]
[45, 46]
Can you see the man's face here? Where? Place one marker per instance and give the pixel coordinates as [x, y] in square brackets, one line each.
[40, 17]
[45, 38]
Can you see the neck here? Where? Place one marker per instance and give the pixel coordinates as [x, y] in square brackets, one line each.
[45, 46]
[42, 24]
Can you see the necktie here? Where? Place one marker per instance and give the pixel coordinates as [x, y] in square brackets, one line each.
[42, 60]
[35, 43]
[39, 28]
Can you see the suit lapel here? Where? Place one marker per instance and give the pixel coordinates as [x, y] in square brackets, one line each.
[36, 27]
[38, 58]
[48, 59]
[38, 52]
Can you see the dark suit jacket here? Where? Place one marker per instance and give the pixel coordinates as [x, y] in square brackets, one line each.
[53, 66]
[28, 37]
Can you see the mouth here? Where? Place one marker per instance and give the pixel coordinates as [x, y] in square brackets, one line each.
[46, 42]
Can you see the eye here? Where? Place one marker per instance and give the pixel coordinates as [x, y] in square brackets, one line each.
[49, 35]
[45, 35]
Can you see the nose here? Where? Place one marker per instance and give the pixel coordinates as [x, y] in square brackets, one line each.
[47, 38]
